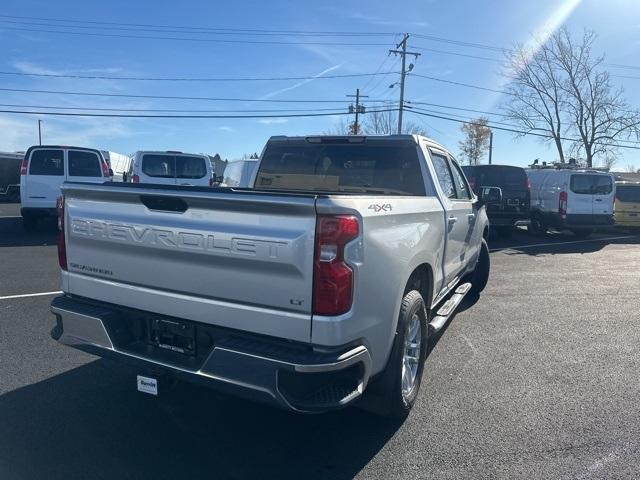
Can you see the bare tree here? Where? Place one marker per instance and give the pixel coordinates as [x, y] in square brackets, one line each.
[386, 123]
[340, 128]
[598, 113]
[562, 90]
[535, 98]
[631, 168]
[476, 140]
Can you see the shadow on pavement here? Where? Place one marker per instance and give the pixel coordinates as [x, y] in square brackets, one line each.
[12, 234]
[589, 245]
[90, 422]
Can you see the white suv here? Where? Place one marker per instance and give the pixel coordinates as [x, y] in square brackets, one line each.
[45, 168]
[170, 168]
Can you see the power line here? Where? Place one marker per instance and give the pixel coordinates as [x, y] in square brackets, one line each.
[122, 115]
[166, 110]
[515, 130]
[212, 29]
[172, 97]
[192, 79]
[203, 31]
[460, 84]
[207, 40]
[446, 52]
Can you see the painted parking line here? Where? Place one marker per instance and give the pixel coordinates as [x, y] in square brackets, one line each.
[26, 295]
[550, 244]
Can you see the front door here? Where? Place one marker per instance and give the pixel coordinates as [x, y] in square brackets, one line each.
[459, 219]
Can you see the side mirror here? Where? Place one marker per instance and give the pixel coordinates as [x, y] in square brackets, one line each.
[110, 172]
[219, 178]
[489, 195]
[124, 176]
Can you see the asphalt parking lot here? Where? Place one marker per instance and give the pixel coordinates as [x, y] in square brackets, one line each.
[536, 379]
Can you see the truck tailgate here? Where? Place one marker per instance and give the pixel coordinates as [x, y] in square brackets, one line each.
[236, 259]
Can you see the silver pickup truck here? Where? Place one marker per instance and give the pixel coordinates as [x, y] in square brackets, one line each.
[323, 280]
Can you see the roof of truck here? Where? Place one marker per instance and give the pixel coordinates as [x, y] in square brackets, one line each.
[355, 138]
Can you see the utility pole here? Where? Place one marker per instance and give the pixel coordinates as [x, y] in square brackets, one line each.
[404, 53]
[39, 132]
[490, 146]
[358, 109]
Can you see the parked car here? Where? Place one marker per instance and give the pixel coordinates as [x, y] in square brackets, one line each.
[170, 168]
[324, 278]
[45, 168]
[626, 209]
[572, 199]
[10, 176]
[514, 210]
[239, 173]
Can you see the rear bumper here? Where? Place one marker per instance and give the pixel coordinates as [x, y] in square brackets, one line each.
[287, 374]
[509, 221]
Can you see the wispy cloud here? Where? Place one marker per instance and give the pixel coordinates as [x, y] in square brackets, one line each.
[272, 121]
[226, 128]
[375, 20]
[301, 83]
[28, 67]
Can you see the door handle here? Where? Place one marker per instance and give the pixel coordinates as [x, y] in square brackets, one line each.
[452, 220]
[598, 199]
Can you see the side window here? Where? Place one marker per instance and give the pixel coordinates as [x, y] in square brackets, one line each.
[84, 164]
[443, 173]
[461, 183]
[47, 162]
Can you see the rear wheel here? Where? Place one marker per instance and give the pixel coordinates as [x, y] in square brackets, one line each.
[582, 232]
[400, 382]
[480, 276]
[537, 227]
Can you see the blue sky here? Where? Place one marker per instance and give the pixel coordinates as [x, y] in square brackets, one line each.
[29, 49]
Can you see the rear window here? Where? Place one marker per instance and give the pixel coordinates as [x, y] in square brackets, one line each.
[190, 167]
[84, 164]
[375, 167]
[46, 162]
[507, 178]
[628, 193]
[157, 165]
[591, 184]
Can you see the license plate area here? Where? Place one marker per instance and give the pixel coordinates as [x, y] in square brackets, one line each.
[173, 335]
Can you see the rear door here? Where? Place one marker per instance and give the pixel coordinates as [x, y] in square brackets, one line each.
[84, 166]
[514, 185]
[158, 168]
[627, 204]
[590, 198]
[45, 174]
[192, 170]
[603, 198]
[458, 212]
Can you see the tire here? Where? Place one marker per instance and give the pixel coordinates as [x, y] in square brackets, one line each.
[400, 382]
[480, 276]
[537, 227]
[582, 232]
[29, 223]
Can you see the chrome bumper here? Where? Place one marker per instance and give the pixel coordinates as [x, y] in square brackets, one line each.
[248, 366]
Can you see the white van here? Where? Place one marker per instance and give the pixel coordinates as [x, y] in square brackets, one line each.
[170, 168]
[577, 200]
[45, 168]
[239, 173]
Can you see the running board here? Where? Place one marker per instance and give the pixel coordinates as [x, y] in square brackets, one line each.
[446, 310]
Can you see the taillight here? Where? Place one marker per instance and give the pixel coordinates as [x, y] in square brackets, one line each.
[62, 246]
[332, 277]
[23, 166]
[562, 206]
[135, 178]
[528, 184]
[105, 169]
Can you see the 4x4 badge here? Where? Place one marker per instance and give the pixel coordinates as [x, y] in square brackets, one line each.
[380, 208]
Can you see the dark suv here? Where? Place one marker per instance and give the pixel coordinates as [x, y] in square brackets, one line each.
[513, 210]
